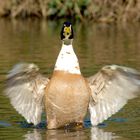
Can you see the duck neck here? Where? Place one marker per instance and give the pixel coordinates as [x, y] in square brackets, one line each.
[67, 60]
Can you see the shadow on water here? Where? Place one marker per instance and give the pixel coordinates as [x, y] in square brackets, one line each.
[96, 45]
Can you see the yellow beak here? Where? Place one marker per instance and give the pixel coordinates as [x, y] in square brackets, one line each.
[67, 30]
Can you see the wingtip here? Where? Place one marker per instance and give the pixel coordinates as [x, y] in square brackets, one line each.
[22, 68]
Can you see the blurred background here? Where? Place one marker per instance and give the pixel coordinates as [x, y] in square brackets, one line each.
[106, 32]
[96, 10]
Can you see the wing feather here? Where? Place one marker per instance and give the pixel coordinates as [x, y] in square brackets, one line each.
[111, 88]
[25, 88]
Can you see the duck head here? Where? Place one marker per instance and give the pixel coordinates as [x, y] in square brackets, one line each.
[67, 33]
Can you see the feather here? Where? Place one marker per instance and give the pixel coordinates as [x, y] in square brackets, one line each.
[25, 88]
[111, 88]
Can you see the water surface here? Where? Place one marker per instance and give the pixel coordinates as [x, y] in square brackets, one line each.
[95, 45]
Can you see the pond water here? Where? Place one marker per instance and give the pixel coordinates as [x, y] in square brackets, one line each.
[95, 45]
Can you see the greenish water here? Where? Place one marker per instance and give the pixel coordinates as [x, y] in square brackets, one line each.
[95, 46]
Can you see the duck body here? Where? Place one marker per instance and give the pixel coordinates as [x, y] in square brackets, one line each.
[67, 93]
[67, 98]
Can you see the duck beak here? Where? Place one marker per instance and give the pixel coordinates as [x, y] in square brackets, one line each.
[67, 32]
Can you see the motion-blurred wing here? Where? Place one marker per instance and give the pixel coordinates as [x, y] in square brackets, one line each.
[25, 88]
[111, 88]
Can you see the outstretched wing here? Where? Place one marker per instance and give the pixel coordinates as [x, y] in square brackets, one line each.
[25, 88]
[111, 88]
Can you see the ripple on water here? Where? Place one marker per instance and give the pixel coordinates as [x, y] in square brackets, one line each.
[4, 124]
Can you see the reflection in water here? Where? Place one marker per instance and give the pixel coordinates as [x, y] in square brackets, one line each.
[35, 135]
[99, 134]
[96, 134]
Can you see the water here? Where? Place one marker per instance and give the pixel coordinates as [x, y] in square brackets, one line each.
[95, 45]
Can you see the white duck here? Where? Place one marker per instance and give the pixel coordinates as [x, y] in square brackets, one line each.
[67, 96]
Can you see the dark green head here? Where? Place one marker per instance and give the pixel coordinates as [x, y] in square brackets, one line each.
[67, 31]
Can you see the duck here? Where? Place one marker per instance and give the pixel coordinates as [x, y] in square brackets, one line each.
[68, 96]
